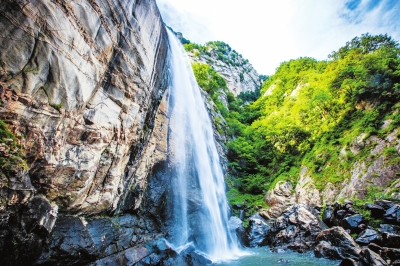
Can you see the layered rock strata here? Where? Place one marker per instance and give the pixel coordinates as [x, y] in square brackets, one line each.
[80, 86]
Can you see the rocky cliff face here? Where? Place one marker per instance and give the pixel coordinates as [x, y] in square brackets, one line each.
[237, 71]
[376, 173]
[80, 86]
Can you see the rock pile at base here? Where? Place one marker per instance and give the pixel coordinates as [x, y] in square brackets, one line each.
[350, 238]
[372, 246]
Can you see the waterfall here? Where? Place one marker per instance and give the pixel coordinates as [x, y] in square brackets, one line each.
[200, 208]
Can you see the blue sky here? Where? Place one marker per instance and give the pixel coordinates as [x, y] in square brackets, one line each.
[269, 32]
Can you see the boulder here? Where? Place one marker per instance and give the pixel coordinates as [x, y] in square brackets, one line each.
[278, 198]
[341, 240]
[238, 206]
[352, 222]
[389, 228]
[349, 262]
[376, 210]
[236, 226]
[390, 253]
[368, 257]
[258, 231]
[352, 211]
[328, 215]
[391, 240]
[295, 229]
[325, 250]
[199, 257]
[392, 215]
[385, 204]
[368, 236]
[375, 248]
[337, 206]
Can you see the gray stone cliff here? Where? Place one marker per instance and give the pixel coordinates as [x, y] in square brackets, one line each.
[81, 84]
[239, 74]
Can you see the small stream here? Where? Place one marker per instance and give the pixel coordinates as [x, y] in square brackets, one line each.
[263, 256]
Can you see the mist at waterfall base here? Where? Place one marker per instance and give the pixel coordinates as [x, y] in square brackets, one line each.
[200, 209]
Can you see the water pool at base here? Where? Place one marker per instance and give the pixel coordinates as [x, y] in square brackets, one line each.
[263, 256]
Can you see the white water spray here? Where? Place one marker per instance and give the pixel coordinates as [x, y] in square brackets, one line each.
[200, 206]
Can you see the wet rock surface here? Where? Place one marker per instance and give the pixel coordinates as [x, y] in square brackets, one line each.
[108, 239]
[368, 257]
[349, 262]
[236, 226]
[391, 240]
[380, 246]
[295, 229]
[376, 210]
[339, 240]
[258, 231]
[353, 222]
[368, 236]
[392, 215]
[389, 228]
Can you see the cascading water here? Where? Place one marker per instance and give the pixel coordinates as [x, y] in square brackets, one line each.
[200, 209]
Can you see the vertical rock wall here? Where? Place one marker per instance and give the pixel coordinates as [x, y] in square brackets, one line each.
[80, 84]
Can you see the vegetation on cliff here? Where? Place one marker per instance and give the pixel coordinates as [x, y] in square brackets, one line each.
[12, 161]
[314, 113]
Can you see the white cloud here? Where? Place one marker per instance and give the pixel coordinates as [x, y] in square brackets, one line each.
[270, 32]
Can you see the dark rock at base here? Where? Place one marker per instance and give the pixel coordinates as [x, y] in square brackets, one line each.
[318, 207]
[298, 247]
[391, 253]
[396, 263]
[389, 228]
[392, 215]
[328, 215]
[153, 259]
[337, 206]
[340, 214]
[352, 211]
[39, 216]
[242, 215]
[352, 222]
[341, 240]
[104, 240]
[238, 206]
[258, 231]
[368, 236]
[349, 262]
[375, 248]
[236, 226]
[362, 227]
[391, 240]
[385, 204]
[368, 257]
[325, 250]
[295, 229]
[179, 260]
[347, 201]
[376, 210]
[199, 258]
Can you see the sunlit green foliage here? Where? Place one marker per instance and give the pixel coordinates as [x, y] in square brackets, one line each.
[310, 110]
[208, 78]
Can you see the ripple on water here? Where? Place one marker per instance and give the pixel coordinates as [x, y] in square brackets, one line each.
[263, 256]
